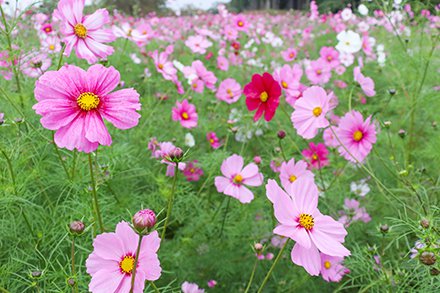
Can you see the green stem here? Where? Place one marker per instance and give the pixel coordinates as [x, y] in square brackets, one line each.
[72, 255]
[282, 150]
[11, 171]
[59, 156]
[273, 266]
[61, 56]
[170, 200]
[226, 214]
[252, 277]
[75, 153]
[133, 275]
[95, 197]
[154, 286]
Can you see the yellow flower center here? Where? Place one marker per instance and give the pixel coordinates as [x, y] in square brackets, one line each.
[195, 85]
[329, 58]
[292, 178]
[327, 264]
[48, 29]
[88, 101]
[127, 264]
[192, 170]
[185, 116]
[160, 66]
[238, 179]
[347, 43]
[211, 140]
[306, 221]
[357, 135]
[240, 23]
[284, 84]
[51, 47]
[291, 55]
[315, 157]
[230, 93]
[80, 30]
[318, 72]
[264, 96]
[317, 111]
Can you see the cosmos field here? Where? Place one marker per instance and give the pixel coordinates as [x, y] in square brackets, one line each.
[260, 151]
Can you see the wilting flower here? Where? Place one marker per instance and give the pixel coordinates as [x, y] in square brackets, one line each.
[332, 269]
[316, 155]
[356, 136]
[262, 94]
[310, 111]
[213, 140]
[74, 102]
[299, 218]
[229, 91]
[366, 83]
[112, 261]
[235, 177]
[291, 172]
[185, 113]
[85, 33]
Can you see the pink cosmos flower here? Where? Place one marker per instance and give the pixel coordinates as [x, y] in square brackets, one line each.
[332, 269]
[185, 113]
[192, 172]
[291, 172]
[241, 23]
[208, 77]
[299, 218]
[222, 63]
[235, 177]
[366, 83]
[127, 31]
[35, 64]
[330, 56]
[310, 111]
[289, 55]
[229, 91]
[112, 261]
[191, 288]
[51, 44]
[353, 212]
[262, 94]
[289, 80]
[198, 44]
[329, 138]
[163, 65]
[356, 135]
[213, 140]
[164, 151]
[85, 33]
[275, 165]
[316, 155]
[47, 28]
[74, 102]
[319, 72]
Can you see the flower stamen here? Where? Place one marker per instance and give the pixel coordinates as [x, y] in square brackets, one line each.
[264, 96]
[306, 221]
[88, 101]
[80, 30]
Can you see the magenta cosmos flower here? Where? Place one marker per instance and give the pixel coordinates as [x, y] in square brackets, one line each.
[263, 94]
[85, 33]
[356, 136]
[74, 102]
[310, 111]
[235, 177]
[316, 155]
[112, 261]
[229, 91]
[299, 218]
[291, 172]
[185, 113]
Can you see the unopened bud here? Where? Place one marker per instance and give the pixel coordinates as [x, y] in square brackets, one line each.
[434, 272]
[424, 223]
[71, 282]
[387, 124]
[384, 228]
[175, 155]
[402, 133]
[144, 220]
[392, 92]
[428, 258]
[76, 227]
[258, 246]
[257, 160]
[36, 274]
[281, 134]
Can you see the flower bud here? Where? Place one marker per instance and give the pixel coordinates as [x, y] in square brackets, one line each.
[175, 155]
[257, 160]
[258, 246]
[434, 124]
[281, 134]
[212, 283]
[384, 228]
[402, 133]
[428, 258]
[387, 124]
[424, 223]
[144, 219]
[76, 227]
[269, 256]
[434, 272]
[36, 274]
[392, 92]
[71, 282]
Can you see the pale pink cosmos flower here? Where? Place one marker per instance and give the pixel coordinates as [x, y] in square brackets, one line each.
[222, 63]
[51, 44]
[164, 151]
[112, 261]
[229, 91]
[329, 138]
[290, 172]
[163, 65]
[85, 33]
[35, 64]
[289, 80]
[208, 77]
[356, 136]
[299, 218]
[289, 54]
[353, 212]
[330, 56]
[127, 31]
[310, 111]
[332, 269]
[213, 140]
[319, 72]
[366, 83]
[185, 113]
[198, 44]
[235, 177]
[191, 288]
[74, 102]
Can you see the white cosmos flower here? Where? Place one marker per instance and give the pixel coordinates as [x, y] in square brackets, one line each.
[346, 59]
[360, 188]
[349, 42]
[189, 140]
[346, 14]
[363, 10]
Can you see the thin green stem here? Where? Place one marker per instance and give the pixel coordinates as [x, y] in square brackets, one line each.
[72, 255]
[11, 171]
[251, 277]
[273, 266]
[59, 156]
[136, 258]
[154, 287]
[224, 217]
[61, 56]
[95, 197]
[170, 201]
[282, 150]
[75, 154]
